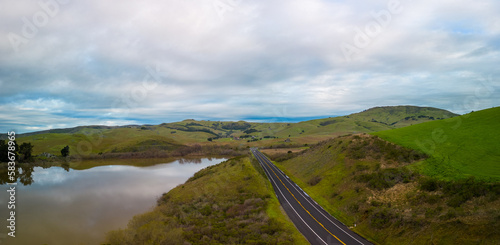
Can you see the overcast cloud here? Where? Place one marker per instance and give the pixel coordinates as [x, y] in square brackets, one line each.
[69, 63]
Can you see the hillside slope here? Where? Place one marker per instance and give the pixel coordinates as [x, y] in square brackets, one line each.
[228, 203]
[402, 116]
[92, 140]
[459, 147]
[371, 185]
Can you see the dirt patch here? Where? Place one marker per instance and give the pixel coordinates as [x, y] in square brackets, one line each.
[395, 195]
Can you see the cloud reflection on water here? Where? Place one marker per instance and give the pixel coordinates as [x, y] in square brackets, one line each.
[61, 207]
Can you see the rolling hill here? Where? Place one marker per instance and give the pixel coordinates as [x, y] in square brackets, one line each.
[170, 136]
[459, 147]
[374, 187]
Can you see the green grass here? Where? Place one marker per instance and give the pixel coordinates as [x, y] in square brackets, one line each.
[91, 140]
[229, 203]
[364, 180]
[401, 116]
[460, 147]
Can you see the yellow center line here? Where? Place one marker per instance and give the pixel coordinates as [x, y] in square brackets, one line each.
[302, 205]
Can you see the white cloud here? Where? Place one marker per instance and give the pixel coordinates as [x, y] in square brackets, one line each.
[87, 64]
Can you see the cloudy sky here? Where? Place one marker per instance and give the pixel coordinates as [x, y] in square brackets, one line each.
[69, 63]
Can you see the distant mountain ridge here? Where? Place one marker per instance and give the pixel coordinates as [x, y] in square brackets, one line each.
[387, 115]
[167, 135]
[73, 130]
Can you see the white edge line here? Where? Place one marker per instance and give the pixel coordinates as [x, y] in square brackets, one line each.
[317, 208]
[268, 176]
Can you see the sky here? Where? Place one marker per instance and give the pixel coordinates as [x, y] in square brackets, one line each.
[66, 63]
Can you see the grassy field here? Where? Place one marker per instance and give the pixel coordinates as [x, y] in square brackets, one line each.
[371, 186]
[229, 203]
[459, 147]
[92, 140]
[401, 116]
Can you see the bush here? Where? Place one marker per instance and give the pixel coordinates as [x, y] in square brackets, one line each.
[382, 219]
[325, 123]
[463, 190]
[428, 184]
[386, 178]
[65, 151]
[449, 215]
[456, 201]
[314, 180]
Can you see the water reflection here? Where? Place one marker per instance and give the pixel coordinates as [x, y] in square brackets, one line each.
[24, 174]
[24, 171]
[60, 207]
[191, 160]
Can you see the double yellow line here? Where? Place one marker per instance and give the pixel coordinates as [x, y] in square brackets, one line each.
[301, 203]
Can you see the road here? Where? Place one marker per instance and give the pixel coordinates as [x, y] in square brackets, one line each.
[317, 225]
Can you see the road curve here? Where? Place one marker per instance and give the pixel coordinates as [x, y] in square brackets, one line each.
[317, 225]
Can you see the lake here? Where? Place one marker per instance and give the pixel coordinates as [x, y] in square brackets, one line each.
[80, 206]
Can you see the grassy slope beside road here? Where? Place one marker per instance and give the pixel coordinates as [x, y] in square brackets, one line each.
[372, 183]
[459, 147]
[229, 203]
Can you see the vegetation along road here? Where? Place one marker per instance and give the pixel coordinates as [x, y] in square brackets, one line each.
[318, 226]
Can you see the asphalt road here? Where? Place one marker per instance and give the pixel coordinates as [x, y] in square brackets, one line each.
[310, 218]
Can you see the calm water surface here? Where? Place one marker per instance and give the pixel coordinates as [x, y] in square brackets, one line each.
[80, 206]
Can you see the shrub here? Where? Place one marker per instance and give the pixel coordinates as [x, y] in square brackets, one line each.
[381, 219]
[428, 184]
[449, 215]
[314, 180]
[386, 178]
[456, 201]
[65, 151]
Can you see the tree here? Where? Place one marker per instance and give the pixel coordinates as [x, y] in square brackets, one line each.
[4, 151]
[26, 149]
[65, 151]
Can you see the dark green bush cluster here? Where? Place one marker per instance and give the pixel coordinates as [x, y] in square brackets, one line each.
[242, 218]
[386, 178]
[460, 191]
[193, 124]
[236, 125]
[252, 130]
[314, 180]
[358, 150]
[382, 218]
[378, 149]
[325, 123]
[187, 128]
[230, 223]
[270, 137]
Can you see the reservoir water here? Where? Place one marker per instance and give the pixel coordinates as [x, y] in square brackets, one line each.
[80, 206]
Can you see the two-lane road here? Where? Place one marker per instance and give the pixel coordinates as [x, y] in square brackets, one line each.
[311, 220]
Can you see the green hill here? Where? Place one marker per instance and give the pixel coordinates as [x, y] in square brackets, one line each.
[371, 186]
[228, 203]
[459, 147]
[371, 120]
[92, 140]
[401, 116]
